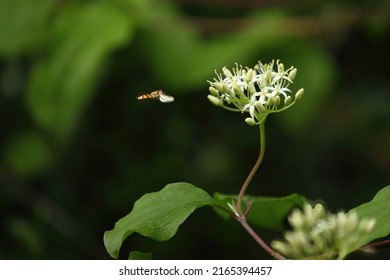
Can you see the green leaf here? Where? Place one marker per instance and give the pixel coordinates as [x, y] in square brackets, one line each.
[267, 212]
[27, 153]
[62, 83]
[137, 255]
[157, 215]
[23, 25]
[378, 208]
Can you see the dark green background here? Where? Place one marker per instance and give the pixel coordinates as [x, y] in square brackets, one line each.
[77, 149]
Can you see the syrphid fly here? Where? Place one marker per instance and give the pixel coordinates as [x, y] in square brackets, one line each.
[157, 94]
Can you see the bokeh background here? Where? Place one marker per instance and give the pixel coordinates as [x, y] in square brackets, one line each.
[77, 149]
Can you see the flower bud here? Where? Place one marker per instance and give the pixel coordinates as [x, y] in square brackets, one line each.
[251, 88]
[366, 225]
[249, 75]
[227, 72]
[268, 75]
[292, 74]
[226, 88]
[299, 94]
[260, 107]
[250, 121]
[213, 91]
[274, 100]
[280, 246]
[350, 221]
[270, 101]
[296, 219]
[219, 87]
[287, 100]
[263, 82]
[215, 100]
[237, 90]
[280, 67]
[319, 211]
[277, 100]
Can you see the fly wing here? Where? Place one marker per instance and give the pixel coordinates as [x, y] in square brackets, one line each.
[166, 98]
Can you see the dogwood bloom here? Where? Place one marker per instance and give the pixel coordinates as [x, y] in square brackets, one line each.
[318, 234]
[259, 91]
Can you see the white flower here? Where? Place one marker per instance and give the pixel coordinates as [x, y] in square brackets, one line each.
[319, 234]
[256, 90]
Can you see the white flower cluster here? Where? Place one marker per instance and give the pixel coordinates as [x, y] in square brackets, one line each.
[259, 90]
[318, 234]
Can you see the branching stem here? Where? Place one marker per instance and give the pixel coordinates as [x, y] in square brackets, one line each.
[258, 239]
[241, 218]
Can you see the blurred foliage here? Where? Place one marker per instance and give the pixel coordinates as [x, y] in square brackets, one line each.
[265, 212]
[77, 149]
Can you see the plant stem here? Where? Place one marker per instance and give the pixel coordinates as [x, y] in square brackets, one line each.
[258, 239]
[254, 169]
[241, 218]
[378, 244]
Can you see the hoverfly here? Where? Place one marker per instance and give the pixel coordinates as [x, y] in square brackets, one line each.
[157, 94]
